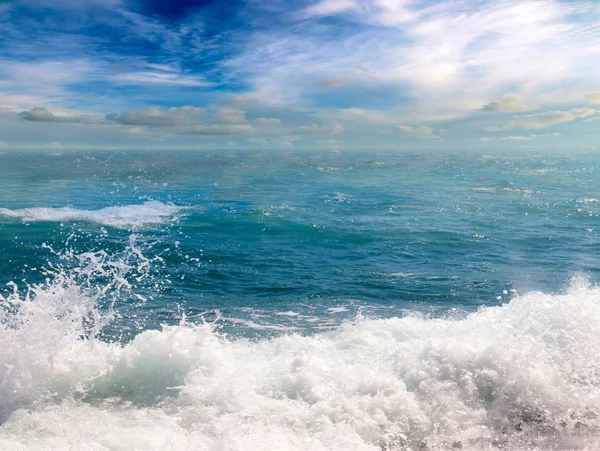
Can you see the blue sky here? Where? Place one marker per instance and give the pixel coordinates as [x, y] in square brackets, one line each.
[294, 74]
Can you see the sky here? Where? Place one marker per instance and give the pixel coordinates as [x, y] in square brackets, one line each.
[331, 74]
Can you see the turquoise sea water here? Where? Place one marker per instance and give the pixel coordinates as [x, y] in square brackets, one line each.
[377, 300]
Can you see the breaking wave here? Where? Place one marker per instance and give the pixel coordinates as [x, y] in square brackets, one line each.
[123, 217]
[521, 376]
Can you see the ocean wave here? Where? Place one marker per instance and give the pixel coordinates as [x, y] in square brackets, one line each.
[521, 376]
[503, 189]
[122, 217]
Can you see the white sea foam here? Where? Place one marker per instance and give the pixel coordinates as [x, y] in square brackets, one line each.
[503, 189]
[123, 217]
[522, 376]
[401, 274]
[337, 309]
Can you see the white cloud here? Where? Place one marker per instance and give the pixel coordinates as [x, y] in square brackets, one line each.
[498, 128]
[328, 7]
[517, 138]
[444, 58]
[544, 120]
[159, 74]
[42, 114]
[593, 97]
[17, 103]
[157, 116]
[521, 137]
[376, 12]
[361, 115]
[45, 78]
[509, 103]
[267, 121]
[422, 131]
[381, 117]
[3, 144]
[591, 119]
[229, 116]
[550, 118]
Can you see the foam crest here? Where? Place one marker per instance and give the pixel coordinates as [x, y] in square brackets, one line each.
[522, 376]
[46, 327]
[123, 217]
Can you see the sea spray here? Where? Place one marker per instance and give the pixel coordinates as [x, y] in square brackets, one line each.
[43, 323]
[521, 376]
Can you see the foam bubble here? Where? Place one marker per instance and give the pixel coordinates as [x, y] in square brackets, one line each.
[522, 376]
[123, 217]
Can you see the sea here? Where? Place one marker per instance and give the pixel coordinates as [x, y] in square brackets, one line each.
[299, 300]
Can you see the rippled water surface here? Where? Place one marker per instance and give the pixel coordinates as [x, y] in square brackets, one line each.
[299, 300]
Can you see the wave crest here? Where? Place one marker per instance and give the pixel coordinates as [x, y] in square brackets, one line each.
[524, 375]
[122, 217]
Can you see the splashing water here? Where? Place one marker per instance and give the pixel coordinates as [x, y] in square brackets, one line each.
[123, 217]
[287, 252]
[69, 310]
[520, 376]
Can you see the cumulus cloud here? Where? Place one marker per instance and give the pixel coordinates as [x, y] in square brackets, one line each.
[42, 114]
[3, 144]
[550, 118]
[229, 116]
[39, 114]
[485, 139]
[267, 121]
[422, 131]
[509, 103]
[157, 116]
